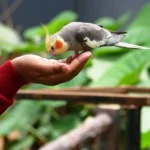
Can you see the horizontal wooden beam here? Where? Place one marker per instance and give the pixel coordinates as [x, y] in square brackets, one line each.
[88, 96]
[121, 89]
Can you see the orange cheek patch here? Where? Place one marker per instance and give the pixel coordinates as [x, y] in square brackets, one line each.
[58, 44]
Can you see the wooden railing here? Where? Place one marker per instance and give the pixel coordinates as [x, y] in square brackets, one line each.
[111, 100]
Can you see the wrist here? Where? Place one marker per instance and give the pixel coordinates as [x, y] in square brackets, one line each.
[10, 80]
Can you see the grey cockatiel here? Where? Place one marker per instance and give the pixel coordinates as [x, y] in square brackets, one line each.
[79, 36]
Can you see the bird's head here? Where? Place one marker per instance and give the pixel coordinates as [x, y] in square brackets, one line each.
[56, 45]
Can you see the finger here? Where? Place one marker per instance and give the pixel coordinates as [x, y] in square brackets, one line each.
[56, 78]
[69, 59]
[80, 61]
[68, 71]
[77, 64]
[62, 60]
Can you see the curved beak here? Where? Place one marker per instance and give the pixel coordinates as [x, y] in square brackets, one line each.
[53, 53]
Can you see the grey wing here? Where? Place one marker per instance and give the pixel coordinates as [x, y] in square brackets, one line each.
[91, 38]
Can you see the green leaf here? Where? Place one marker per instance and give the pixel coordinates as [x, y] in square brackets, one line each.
[28, 47]
[53, 104]
[79, 80]
[112, 24]
[64, 124]
[142, 17]
[135, 33]
[108, 51]
[123, 19]
[93, 73]
[138, 31]
[107, 22]
[124, 71]
[145, 142]
[53, 26]
[89, 63]
[23, 144]
[20, 116]
[145, 120]
[145, 83]
[32, 33]
[9, 38]
[26, 109]
[62, 19]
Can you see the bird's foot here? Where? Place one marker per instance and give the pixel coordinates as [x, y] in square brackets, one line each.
[70, 58]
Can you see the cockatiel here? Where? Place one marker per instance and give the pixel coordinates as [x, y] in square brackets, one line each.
[80, 36]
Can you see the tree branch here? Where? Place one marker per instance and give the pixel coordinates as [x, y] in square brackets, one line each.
[92, 127]
[8, 12]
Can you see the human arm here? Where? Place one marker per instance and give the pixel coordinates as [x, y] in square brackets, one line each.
[35, 69]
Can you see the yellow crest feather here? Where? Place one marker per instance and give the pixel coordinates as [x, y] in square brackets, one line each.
[47, 37]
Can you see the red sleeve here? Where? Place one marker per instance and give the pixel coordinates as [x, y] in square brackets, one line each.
[10, 82]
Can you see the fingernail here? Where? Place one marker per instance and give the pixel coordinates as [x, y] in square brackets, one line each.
[89, 54]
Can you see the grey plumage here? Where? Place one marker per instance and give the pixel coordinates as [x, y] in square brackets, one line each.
[86, 36]
[74, 33]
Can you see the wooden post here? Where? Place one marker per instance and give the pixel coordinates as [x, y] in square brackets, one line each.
[109, 140]
[133, 129]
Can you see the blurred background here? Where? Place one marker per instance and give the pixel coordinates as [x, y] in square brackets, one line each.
[21, 33]
[31, 13]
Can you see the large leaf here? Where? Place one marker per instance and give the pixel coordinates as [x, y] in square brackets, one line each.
[23, 143]
[145, 120]
[28, 47]
[19, 117]
[145, 142]
[53, 26]
[99, 66]
[125, 71]
[80, 80]
[112, 24]
[9, 38]
[138, 31]
[65, 124]
[101, 51]
[142, 18]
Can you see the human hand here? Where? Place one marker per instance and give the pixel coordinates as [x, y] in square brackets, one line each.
[49, 72]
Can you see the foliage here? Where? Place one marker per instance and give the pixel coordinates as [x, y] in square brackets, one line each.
[53, 26]
[111, 23]
[124, 71]
[9, 38]
[116, 66]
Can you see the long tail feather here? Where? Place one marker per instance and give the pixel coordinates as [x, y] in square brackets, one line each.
[127, 45]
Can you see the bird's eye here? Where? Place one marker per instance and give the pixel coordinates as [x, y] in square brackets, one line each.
[52, 48]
